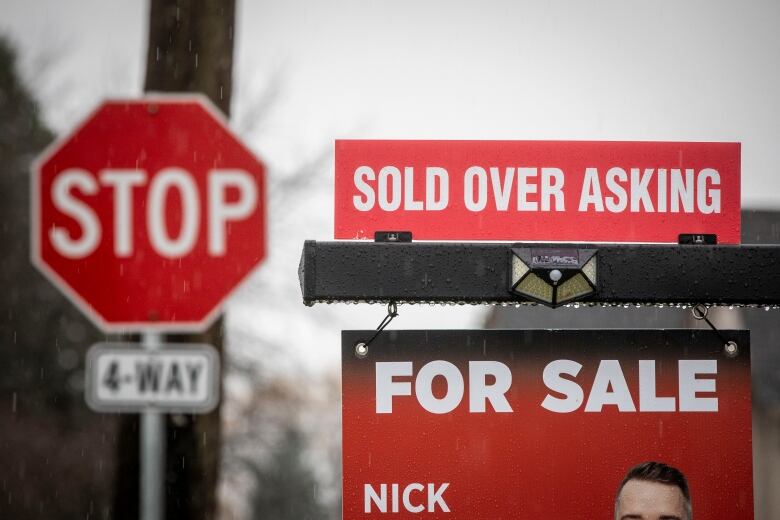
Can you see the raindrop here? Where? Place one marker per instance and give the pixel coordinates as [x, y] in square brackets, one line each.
[196, 60]
[13, 402]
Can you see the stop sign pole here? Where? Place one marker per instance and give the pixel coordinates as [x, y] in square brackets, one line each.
[152, 451]
[147, 216]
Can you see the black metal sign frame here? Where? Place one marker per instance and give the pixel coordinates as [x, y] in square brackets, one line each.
[480, 273]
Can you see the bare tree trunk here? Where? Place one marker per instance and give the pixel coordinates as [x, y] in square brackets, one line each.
[190, 50]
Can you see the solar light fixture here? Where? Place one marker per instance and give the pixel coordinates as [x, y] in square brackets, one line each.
[553, 276]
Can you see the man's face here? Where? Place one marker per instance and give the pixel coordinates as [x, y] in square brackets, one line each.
[643, 500]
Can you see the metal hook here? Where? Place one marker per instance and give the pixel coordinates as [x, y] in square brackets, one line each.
[361, 349]
[730, 347]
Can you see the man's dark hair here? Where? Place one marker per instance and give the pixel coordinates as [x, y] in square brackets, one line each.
[662, 474]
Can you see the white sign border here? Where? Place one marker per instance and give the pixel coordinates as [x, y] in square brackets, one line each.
[111, 347]
[70, 293]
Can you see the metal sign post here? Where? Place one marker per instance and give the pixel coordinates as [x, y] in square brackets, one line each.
[152, 454]
[135, 147]
[152, 378]
[512, 422]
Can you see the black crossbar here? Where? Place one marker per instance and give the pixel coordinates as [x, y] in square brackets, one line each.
[479, 273]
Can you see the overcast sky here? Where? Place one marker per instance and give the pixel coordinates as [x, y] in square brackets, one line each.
[567, 69]
[704, 70]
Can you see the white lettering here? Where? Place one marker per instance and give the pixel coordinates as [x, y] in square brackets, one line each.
[690, 386]
[708, 200]
[524, 187]
[409, 203]
[123, 182]
[221, 211]
[502, 193]
[61, 196]
[386, 202]
[552, 187]
[639, 190]
[408, 503]
[682, 191]
[661, 190]
[434, 174]
[423, 386]
[435, 497]
[572, 391]
[613, 176]
[367, 202]
[480, 391]
[591, 191]
[609, 376]
[386, 388]
[648, 401]
[157, 212]
[475, 200]
[379, 500]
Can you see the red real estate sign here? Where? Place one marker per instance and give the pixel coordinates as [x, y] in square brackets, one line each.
[149, 213]
[529, 424]
[538, 190]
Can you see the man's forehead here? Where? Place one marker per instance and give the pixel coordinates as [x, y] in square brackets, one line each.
[647, 500]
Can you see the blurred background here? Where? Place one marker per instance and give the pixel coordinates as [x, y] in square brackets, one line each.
[298, 75]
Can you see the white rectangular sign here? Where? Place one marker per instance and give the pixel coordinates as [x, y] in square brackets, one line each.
[122, 377]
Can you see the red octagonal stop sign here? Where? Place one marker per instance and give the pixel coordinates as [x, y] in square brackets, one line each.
[149, 214]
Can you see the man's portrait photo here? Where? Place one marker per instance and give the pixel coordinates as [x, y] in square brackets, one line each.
[653, 491]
